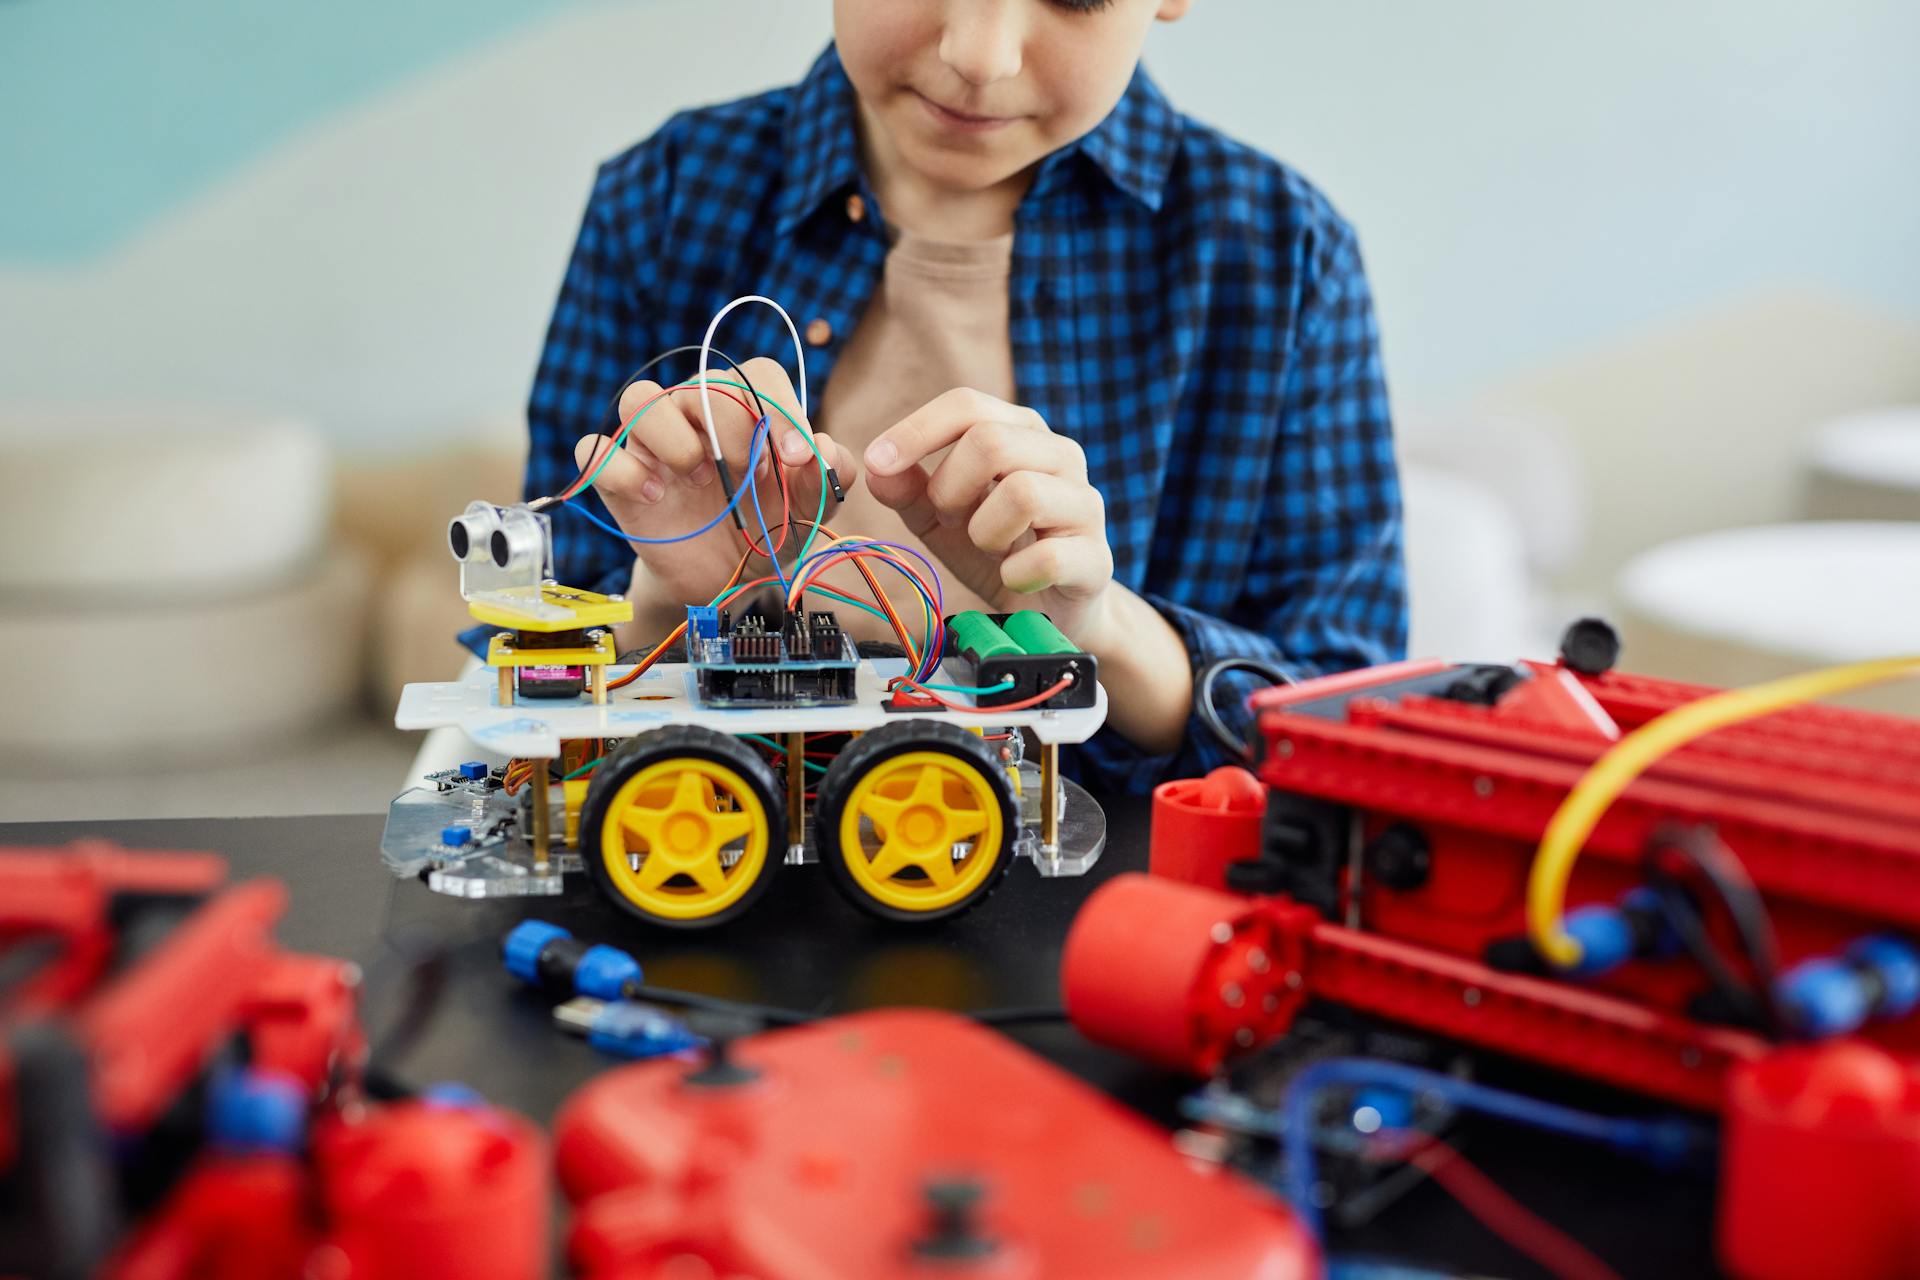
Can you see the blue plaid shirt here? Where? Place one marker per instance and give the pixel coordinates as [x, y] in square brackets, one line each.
[1189, 310]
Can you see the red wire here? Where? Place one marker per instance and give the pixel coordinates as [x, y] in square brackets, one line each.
[786, 510]
[1506, 1217]
[1022, 705]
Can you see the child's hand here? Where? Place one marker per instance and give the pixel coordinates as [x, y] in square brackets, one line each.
[1008, 510]
[663, 482]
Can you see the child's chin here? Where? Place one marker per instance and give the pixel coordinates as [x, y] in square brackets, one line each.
[968, 164]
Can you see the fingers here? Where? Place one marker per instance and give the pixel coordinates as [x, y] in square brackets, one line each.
[993, 451]
[630, 475]
[1076, 563]
[940, 423]
[906, 492]
[1034, 502]
[666, 432]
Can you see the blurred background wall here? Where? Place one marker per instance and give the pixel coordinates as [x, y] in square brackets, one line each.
[1629, 258]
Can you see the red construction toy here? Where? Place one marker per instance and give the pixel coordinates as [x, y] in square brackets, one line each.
[179, 1097]
[1746, 910]
[896, 1144]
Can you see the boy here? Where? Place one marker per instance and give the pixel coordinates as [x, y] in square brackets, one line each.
[1093, 357]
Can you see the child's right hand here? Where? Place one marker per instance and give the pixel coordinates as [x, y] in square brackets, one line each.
[663, 483]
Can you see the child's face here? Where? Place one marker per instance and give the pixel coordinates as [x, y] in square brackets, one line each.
[969, 93]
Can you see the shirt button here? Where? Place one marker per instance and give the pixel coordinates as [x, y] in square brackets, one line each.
[856, 207]
[819, 332]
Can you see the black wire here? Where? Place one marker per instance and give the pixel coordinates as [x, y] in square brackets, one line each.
[1210, 714]
[715, 1004]
[1700, 848]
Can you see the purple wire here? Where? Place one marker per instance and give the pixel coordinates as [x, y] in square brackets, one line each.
[930, 661]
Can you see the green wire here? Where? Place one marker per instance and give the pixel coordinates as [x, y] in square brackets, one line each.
[569, 777]
[769, 742]
[1007, 683]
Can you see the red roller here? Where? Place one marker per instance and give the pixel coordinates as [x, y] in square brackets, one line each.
[1828, 1136]
[1178, 974]
[419, 1191]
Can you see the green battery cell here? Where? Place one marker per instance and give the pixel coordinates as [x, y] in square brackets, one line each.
[977, 634]
[1036, 634]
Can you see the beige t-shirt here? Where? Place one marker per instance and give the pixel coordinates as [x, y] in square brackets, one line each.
[937, 321]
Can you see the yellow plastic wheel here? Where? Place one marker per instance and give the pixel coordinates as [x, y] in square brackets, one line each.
[916, 821]
[681, 823]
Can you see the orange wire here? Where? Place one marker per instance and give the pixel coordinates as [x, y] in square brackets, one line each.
[880, 598]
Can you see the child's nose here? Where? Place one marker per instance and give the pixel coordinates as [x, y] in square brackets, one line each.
[983, 39]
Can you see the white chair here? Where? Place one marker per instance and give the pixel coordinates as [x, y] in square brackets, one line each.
[1745, 605]
[1866, 466]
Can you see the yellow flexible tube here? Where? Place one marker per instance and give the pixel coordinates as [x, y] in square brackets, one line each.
[1628, 758]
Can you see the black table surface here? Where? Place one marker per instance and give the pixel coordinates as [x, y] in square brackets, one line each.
[804, 947]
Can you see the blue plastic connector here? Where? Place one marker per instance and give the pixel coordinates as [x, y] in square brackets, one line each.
[1609, 935]
[1896, 963]
[474, 770]
[256, 1112]
[703, 622]
[521, 951]
[1605, 937]
[1825, 997]
[603, 971]
[1878, 977]
[633, 1030]
[453, 1094]
[456, 836]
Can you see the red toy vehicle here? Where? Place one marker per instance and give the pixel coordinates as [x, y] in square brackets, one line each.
[896, 1144]
[180, 1097]
[1743, 921]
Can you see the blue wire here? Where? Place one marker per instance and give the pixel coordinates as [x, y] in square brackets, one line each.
[753, 460]
[1664, 1140]
[753, 484]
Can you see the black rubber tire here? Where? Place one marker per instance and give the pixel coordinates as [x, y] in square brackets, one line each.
[679, 742]
[882, 744]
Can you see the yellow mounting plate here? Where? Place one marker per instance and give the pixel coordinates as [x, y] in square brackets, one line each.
[581, 609]
[503, 652]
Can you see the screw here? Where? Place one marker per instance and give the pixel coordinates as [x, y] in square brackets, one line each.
[1471, 997]
[1221, 933]
[1690, 1058]
[1244, 1037]
[1257, 961]
[1270, 1003]
[1233, 995]
[1294, 980]
[1283, 748]
[1483, 786]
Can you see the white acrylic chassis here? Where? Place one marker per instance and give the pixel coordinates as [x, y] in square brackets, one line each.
[500, 865]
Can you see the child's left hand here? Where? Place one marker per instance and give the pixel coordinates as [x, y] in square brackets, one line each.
[1009, 511]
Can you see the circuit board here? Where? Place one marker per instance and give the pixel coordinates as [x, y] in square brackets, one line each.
[805, 660]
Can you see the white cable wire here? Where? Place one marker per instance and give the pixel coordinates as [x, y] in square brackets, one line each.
[706, 350]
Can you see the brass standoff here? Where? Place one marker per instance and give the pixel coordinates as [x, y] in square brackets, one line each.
[796, 790]
[1049, 797]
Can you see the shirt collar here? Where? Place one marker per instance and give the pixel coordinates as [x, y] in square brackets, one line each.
[1134, 146]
